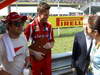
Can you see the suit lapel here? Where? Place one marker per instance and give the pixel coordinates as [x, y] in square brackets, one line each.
[83, 42]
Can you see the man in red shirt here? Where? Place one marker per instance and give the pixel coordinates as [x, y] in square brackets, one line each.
[41, 32]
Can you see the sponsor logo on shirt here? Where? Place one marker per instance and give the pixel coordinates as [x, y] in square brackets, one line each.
[36, 28]
[45, 29]
[18, 48]
[41, 36]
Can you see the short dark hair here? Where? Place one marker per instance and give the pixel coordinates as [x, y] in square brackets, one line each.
[91, 20]
[42, 7]
[97, 24]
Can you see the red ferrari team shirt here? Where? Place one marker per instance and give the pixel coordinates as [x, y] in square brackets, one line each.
[40, 34]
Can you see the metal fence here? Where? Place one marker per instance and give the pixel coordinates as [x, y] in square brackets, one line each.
[61, 64]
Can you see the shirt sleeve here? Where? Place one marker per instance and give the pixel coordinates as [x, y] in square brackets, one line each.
[26, 46]
[27, 49]
[27, 52]
[27, 31]
[51, 35]
[76, 51]
[1, 53]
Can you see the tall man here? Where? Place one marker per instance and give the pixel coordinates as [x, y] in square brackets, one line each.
[14, 52]
[82, 46]
[42, 41]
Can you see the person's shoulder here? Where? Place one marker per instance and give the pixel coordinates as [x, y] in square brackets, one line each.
[31, 22]
[23, 37]
[49, 24]
[1, 36]
[79, 33]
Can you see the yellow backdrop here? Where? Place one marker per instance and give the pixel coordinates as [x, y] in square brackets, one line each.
[66, 21]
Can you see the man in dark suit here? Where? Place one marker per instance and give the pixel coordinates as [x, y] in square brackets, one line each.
[81, 47]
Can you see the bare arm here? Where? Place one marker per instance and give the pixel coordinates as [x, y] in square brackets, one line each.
[48, 45]
[38, 55]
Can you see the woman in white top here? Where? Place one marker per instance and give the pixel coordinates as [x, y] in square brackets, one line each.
[95, 52]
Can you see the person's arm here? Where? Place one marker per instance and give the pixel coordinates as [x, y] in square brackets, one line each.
[76, 50]
[74, 53]
[27, 59]
[50, 43]
[27, 55]
[2, 68]
[1, 53]
[38, 55]
[27, 31]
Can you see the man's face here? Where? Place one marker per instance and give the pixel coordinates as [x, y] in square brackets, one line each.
[44, 16]
[16, 28]
[88, 30]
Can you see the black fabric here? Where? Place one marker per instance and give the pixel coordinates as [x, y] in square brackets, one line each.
[79, 71]
[88, 57]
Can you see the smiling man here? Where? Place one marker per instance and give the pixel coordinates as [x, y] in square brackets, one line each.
[41, 32]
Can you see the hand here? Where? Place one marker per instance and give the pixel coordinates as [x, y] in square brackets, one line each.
[39, 55]
[1, 67]
[28, 65]
[3, 72]
[48, 45]
[73, 69]
[31, 52]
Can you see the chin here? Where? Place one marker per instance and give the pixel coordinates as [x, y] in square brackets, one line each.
[19, 33]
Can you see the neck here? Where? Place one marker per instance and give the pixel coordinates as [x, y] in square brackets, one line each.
[13, 36]
[38, 18]
[97, 44]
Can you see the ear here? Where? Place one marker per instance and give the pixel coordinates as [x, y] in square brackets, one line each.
[96, 33]
[86, 28]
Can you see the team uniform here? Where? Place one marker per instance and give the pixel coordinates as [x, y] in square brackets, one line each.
[41, 34]
[21, 51]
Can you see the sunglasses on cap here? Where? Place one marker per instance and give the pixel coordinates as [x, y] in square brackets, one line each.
[18, 24]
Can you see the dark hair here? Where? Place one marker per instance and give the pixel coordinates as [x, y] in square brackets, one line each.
[42, 7]
[91, 21]
[97, 24]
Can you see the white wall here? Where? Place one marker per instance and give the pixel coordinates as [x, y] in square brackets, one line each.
[27, 9]
[4, 11]
[30, 9]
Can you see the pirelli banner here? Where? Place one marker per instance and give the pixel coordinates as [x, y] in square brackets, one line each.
[66, 21]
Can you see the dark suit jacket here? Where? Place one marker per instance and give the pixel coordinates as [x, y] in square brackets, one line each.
[79, 52]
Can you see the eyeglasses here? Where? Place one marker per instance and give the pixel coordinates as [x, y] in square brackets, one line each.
[18, 24]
